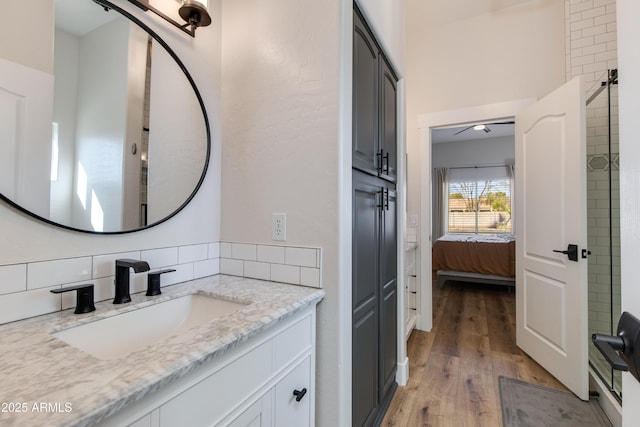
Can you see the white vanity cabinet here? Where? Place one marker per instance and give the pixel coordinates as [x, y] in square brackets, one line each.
[255, 383]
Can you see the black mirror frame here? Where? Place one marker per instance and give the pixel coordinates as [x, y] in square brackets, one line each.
[108, 5]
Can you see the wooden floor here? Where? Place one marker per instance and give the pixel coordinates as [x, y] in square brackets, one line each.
[454, 369]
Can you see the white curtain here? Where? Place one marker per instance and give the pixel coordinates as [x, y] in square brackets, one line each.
[440, 190]
[512, 179]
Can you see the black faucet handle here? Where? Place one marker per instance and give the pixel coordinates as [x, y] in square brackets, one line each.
[84, 297]
[153, 282]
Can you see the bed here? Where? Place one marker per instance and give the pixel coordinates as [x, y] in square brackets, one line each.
[474, 258]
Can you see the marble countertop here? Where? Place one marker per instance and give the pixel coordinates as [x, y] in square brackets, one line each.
[46, 382]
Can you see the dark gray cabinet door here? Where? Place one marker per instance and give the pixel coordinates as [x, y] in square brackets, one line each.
[365, 292]
[388, 306]
[388, 121]
[374, 292]
[365, 99]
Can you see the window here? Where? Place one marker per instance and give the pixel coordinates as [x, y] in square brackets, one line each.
[479, 201]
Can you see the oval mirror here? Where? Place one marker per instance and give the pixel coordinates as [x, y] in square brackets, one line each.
[124, 142]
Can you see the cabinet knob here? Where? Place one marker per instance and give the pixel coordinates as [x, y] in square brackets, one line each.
[299, 394]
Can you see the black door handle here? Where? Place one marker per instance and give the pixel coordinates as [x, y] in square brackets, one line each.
[622, 350]
[571, 252]
[608, 347]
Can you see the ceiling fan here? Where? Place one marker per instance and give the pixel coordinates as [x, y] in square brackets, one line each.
[484, 126]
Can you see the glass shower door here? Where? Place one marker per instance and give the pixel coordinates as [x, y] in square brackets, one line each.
[603, 217]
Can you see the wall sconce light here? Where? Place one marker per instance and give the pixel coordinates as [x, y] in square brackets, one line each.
[192, 11]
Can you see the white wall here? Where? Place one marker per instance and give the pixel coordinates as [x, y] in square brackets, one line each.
[628, 12]
[101, 128]
[511, 54]
[175, 152]
[25, 240]
[287, 143]
[31, 46]
[281, 150]
[67, 50]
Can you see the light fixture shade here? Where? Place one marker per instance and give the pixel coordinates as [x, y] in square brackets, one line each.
[194, 13]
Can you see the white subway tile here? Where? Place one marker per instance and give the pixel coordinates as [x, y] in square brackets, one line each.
[596, 11]
[594, 31]
[270, 253]
[579, 25]
[305, 257]
[137, 282]
[192, 253]
[104, 289]
[257, 270]
[243, 251]
[225, 250]
[205, 268]
[234, 267]
[49, 273]
[160, 258]
[310, 276]
[21, 305]
[214, 250]
[13, 278]
[285, 273]
[105, 265]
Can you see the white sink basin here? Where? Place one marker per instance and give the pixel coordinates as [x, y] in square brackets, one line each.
[119, 335]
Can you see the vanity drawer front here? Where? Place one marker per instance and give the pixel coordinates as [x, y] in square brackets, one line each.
[209, 400]
[289, 411]
[292, 342]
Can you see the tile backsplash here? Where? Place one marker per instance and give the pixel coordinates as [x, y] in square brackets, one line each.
[24, 288]
[287, 264]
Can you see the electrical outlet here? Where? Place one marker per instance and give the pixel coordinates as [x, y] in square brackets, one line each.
[279, 226]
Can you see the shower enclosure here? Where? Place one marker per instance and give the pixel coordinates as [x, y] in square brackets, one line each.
[603, 218]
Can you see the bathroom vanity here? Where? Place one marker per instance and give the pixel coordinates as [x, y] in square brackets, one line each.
[252, 366]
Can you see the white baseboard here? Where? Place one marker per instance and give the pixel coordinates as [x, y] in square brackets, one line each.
[402, 373]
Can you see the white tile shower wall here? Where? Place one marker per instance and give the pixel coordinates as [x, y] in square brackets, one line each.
[287, 264]
[24, 288]
[591, 46]
[591, 38]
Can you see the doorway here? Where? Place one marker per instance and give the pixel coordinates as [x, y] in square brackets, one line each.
[487, 113]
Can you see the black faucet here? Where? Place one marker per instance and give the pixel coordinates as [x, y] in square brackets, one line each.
[122, 277]
[84, 297]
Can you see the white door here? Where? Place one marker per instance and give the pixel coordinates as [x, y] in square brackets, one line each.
[551, 289]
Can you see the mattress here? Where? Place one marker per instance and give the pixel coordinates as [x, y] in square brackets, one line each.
[475, 254]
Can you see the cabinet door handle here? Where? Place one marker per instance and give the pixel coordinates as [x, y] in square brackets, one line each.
[386, 162]
[384, 199]
[380, 158]
[299, 394]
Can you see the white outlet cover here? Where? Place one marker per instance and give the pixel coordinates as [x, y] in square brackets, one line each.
[279, 226]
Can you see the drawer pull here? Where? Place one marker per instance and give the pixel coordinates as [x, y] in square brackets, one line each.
[299, 394]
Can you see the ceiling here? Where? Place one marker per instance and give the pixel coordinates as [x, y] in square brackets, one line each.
[447, 134]
[79, 17]
[439, 12]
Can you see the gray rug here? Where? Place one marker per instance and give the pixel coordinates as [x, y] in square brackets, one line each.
[525, 404]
